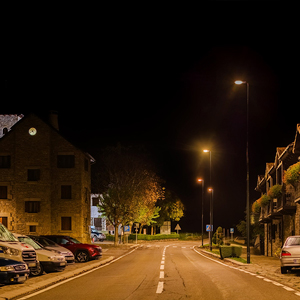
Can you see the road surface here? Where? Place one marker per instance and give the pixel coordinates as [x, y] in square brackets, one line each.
[167, 270]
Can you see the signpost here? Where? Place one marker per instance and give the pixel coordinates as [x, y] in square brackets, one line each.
[232, 232]
[177, 228]
[209, 228]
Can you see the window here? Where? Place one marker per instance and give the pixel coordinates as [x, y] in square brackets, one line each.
[66, 223]
[66, 192]
[65, 161]
[33, 174]
[32, 228]
[3, 220]
[4, 161]
[3, 192]
[32, 206]
[95, 201]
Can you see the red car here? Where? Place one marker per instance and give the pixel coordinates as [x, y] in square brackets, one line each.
[82, 252]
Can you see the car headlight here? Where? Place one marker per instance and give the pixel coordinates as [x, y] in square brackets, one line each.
[56, 258]
[7, 268]
[10, 251]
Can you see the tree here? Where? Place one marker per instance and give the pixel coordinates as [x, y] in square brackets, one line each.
[171, 208]
[128, 185]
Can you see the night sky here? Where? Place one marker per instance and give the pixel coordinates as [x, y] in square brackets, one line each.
[170, 88]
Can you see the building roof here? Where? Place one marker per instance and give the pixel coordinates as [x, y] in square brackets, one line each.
[22, 118]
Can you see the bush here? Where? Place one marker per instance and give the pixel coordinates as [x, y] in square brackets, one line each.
[225, 251]
[146, 237]
[230, 251]
[236, 251]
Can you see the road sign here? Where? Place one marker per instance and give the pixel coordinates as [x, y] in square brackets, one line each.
[177, 228]
[209, 228]
[126, 228]
[231, 230]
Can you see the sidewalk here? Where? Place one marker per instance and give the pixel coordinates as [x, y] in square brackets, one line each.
[36, 283]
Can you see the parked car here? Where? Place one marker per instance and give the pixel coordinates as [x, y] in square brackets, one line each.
[82, 252]
[97, 235]
[290, 254]
[12, 271]
[12, 249]
[49, 260]
[50, 245]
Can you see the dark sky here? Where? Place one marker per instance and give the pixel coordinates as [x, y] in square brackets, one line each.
[170, 87]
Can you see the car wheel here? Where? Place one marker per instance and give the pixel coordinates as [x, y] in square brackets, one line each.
[95, 238]
[37, 271]
[284, 270]
[82, 256]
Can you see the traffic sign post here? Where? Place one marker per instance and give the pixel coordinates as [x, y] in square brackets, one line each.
[209, 228]
[177, 228]
[232, 232]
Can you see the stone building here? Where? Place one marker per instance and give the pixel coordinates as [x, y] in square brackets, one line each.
[45, 181]
[278, 208]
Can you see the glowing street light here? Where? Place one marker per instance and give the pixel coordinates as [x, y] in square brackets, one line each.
[211, 202]
[247, 162]
[240, 82]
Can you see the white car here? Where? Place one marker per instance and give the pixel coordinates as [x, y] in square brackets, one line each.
[49, 260]
[50, 245]
[290, 254]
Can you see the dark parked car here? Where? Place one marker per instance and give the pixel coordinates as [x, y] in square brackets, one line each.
[50, 245]
[82, 252]
[290, 254]
[12, 271]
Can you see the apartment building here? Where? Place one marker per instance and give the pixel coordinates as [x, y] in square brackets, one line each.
[45, 181]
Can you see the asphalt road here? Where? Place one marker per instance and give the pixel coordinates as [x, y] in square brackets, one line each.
[167, 270]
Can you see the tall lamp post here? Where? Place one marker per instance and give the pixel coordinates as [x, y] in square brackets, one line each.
[247, 162]
[202, 187]
[211, 201]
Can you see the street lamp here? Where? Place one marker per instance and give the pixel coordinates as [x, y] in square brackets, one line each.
[211, 218]
[211, 202]
[247, 162]
[202, 187]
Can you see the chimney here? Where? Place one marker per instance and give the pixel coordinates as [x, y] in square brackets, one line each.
[53, 119]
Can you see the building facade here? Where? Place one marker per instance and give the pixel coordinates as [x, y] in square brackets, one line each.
[45, 181]
[97, 220]
[278, 208]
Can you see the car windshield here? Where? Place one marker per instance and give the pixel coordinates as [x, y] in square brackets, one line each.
[45, 242]
[74, 240]
[29, 241]
[293, 241]
[5, 235]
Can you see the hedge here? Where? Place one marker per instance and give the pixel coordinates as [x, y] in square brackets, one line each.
[146, 237]
[230, 251]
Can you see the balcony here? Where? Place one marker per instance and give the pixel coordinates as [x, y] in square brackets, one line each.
[286, 205]
[264, 215]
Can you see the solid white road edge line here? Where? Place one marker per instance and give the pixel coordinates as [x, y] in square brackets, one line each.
[261, 277]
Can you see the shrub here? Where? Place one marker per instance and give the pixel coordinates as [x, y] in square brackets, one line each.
[292, 175]
[225, 251]
[275, 191]
[256, 207]
[230, 251]
[265, 199]
[236, 251]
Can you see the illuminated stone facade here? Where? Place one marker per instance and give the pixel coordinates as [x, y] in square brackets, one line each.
[45, 181]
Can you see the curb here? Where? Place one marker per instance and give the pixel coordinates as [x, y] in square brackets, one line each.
[48, 282]
[225, 259]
